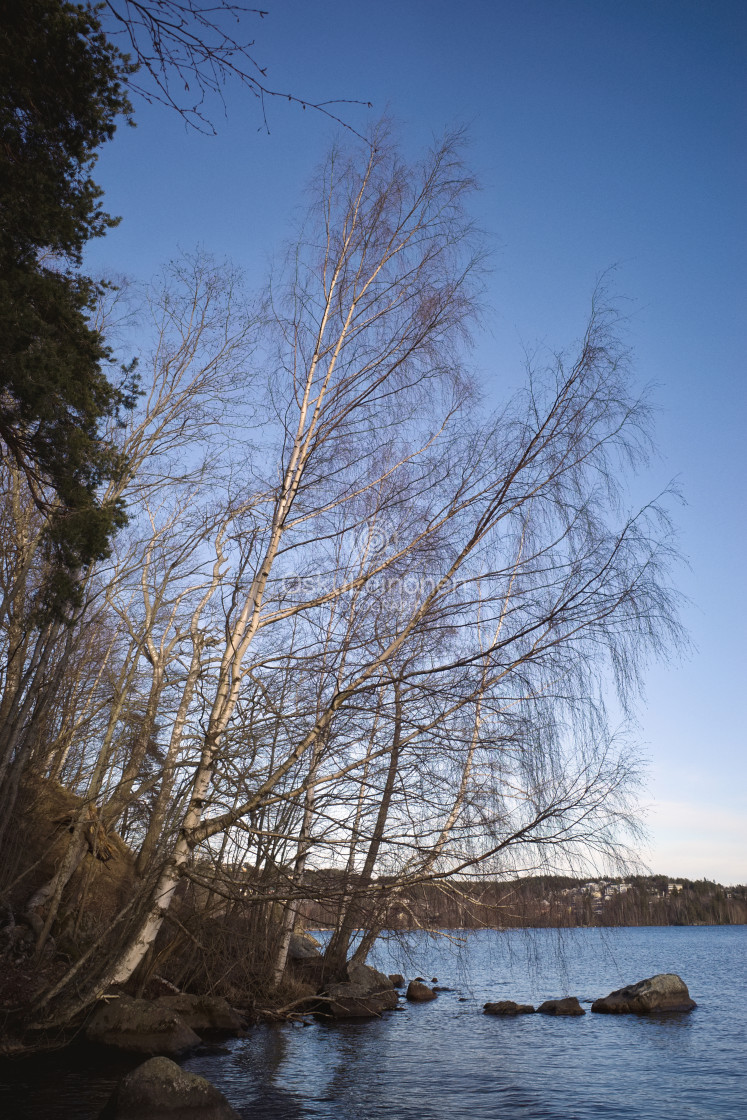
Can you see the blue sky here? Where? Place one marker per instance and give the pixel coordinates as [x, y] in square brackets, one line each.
[604, 133]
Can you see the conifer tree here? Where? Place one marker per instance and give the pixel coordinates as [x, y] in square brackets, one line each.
[61, 93]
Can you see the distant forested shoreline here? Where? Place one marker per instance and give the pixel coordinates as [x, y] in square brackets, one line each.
[557, 901]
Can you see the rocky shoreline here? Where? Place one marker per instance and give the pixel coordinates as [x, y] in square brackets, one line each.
[173, 1026]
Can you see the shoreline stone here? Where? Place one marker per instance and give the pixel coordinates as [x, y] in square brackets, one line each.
[666, 991]
[140, 1027]
[203, 1013]
[418, 992]
[304, 947]
[567, 1006]
[161, 1089]
[365, 995]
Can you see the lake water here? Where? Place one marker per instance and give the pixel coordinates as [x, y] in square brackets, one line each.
[445, 1060]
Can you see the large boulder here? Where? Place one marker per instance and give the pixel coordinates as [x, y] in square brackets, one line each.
[203, 1013]
[567, 1006]
[507, 1007]
[664, 992]
[306, 960]
[140, 1027]
[364, 995]
[304, 947]
[419, 992]
[367, 976]
[160, 1089]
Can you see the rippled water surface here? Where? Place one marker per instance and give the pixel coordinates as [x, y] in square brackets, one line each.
[447, 1060]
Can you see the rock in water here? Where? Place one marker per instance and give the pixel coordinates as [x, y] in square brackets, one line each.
[364, 996]
[567, 1006]
[507, 1007]
[664, 992]
[397, 979]
[418, 992]
[160, 1089]
[141, 1027]
[369, 977]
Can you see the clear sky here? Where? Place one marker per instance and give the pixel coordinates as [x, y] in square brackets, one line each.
[604, 132]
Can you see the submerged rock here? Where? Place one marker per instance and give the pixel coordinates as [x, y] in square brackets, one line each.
[202, 1013]
[508, 1007]
[140, 1027]
[159, 1088]
[419, 992]
[664, 992]
[567, 1006]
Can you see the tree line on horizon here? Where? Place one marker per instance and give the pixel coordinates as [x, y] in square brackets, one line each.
[553, 901]
[348, 607]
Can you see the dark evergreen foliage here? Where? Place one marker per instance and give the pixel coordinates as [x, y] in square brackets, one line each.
[61, 93]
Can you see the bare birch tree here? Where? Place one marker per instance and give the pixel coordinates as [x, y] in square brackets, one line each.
[387, 645]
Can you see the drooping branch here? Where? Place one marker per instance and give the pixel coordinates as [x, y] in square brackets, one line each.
[187, 52]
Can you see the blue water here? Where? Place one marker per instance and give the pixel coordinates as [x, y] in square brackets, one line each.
[446, 1059]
